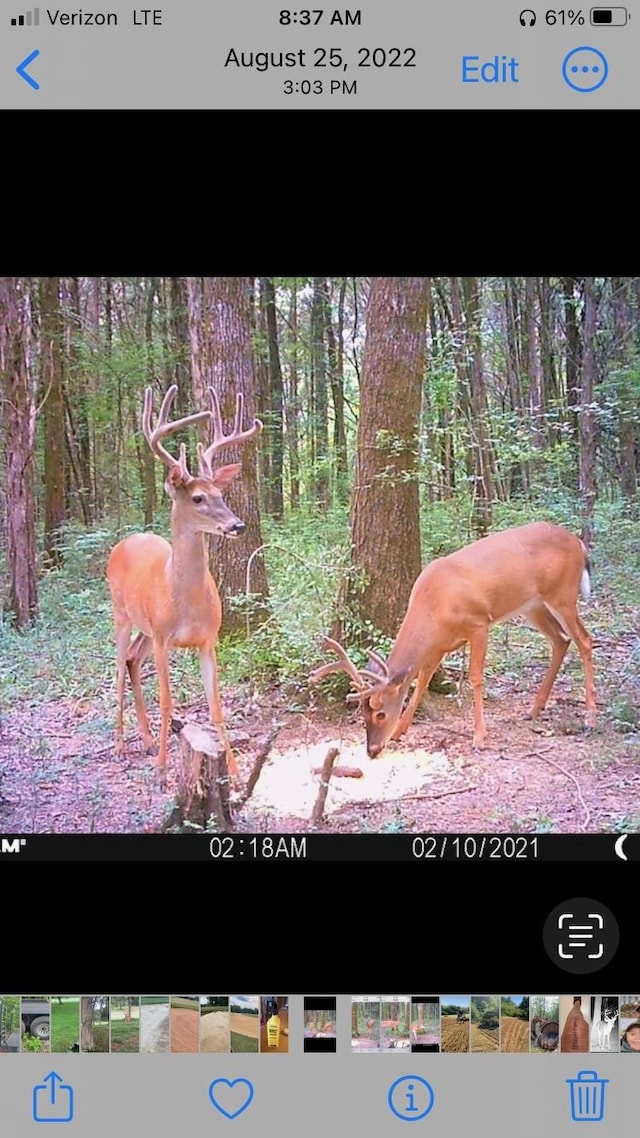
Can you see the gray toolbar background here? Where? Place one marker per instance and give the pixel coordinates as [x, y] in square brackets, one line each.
[501, 1095]
[180, 64]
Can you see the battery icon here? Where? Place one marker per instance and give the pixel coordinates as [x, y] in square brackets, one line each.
[609, 17]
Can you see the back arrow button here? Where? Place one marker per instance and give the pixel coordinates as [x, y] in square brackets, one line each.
[24, 74]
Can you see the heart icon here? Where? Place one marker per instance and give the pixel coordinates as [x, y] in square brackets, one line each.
[243, 1099]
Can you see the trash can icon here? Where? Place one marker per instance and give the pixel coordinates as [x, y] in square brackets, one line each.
[587, 1097]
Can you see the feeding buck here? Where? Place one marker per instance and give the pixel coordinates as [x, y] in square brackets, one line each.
[536, 570]
[166, 591]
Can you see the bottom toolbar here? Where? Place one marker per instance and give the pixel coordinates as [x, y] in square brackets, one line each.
[154, 1093]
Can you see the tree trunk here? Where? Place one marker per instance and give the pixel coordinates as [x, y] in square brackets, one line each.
[520, 474]
[385, 519]
[276, 439]
[259, 338]
[319, 406]
[147, 456]
[550, 392]
[18, 390]
[572, 362]
[293, 409]
[76, 393]
[87, 1042]
[536, 403]
[54, 441]
[335, 356]
[226, 331]
[586, 416]
[483, 493]
[626, 400]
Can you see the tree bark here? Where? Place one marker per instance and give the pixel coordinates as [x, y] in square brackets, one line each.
[53, 397]
[226, 330]
[586, 415]
[18, 390]
[385, 519]
[626, 399]
[87, 1042]
[292, 410]
[276, 439]
[335, 357]
[319, 401]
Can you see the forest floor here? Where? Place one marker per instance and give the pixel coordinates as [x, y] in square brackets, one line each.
[59, 772]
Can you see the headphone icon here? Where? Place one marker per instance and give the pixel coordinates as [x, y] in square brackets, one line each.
[527, 12]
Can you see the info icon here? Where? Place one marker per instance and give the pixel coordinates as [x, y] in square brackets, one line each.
[581, 935]
[410, 1098]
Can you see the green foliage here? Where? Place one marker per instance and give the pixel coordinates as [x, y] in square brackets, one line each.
[30, 1043]
[65, 1024]
[69, 651]
[516, 1011]
[242, 1043]
[306, 557]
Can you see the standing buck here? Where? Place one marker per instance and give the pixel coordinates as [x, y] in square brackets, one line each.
[536, 570]
[166, 591]
[604, 1029]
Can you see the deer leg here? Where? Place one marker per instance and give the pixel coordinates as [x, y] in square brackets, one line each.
[407, 716]
[209, 673]
[161, 657]
[137, 653]
[477, 657]
[123, 634]
[570, 621]
[547, 624]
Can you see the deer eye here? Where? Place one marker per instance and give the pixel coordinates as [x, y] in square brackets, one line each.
[380, 716]
[197, 499]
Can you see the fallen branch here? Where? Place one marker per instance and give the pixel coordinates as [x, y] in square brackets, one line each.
[341, 772]
[442, 794]
[327, 767]
[261, 758]
[587, 812]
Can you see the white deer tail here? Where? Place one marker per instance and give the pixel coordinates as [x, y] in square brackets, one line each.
[585, 581]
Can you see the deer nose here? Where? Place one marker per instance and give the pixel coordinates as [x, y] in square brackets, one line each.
[236, 529]
[374, 749]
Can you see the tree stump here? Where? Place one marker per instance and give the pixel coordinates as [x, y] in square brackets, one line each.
[203, 788]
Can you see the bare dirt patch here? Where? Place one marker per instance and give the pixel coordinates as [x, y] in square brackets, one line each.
[59, 772]
[185, 1033]
[455, 1035]
[514, 1034]
[214, 1031]
[245, 1025]
[484, 1038]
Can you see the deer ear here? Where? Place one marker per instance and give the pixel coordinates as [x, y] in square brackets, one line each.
[175, 478]
[223, 477]
[396, 681]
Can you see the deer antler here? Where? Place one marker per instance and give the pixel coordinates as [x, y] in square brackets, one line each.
[221, 440]
[358, 675]
[153, 435]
